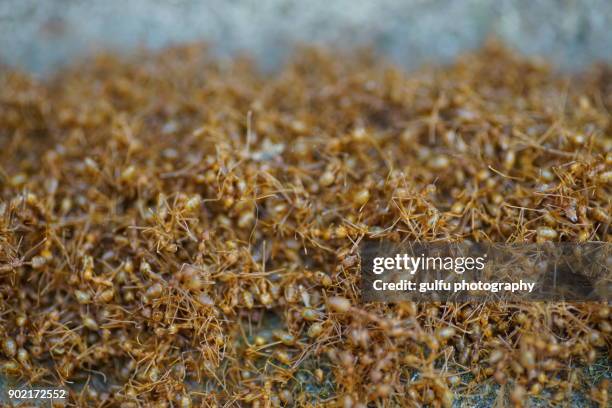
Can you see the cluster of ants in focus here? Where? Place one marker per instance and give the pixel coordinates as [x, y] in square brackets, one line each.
[178, 231]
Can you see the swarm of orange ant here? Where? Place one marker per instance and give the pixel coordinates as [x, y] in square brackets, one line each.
[181, 231]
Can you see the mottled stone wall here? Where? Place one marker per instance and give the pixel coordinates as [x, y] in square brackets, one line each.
[41, 35]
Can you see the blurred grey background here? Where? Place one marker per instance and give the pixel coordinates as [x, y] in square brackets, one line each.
[41, 35]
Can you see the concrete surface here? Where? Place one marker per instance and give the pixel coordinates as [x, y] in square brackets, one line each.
[42, 35]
